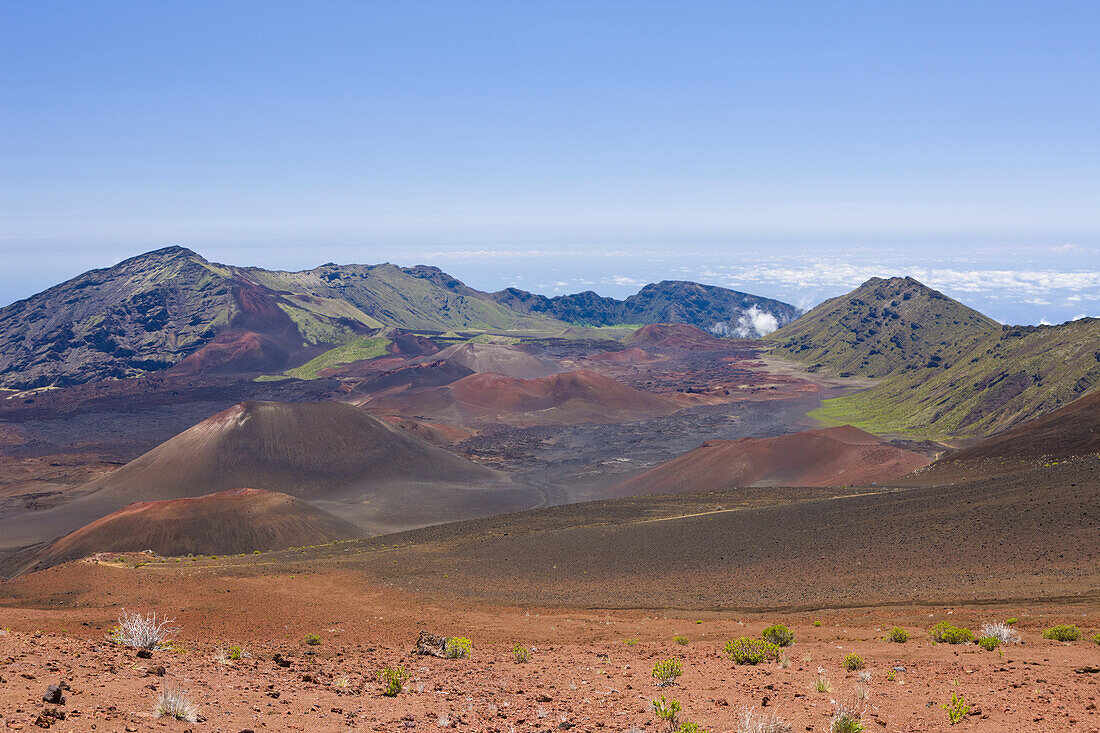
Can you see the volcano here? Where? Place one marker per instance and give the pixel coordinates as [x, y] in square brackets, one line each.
[841, 456]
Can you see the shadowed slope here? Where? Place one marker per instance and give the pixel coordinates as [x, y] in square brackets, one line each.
[228, 522]
[830, 457]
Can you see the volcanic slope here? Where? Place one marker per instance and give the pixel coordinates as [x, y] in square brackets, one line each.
[841, 456]
[149, 312]
[1067, 433]
[333, 455]
[1016, 374]
[496, 358]
[1031, 536]
[575, 397]
[673, 336]
[884, 327]
[228, 522]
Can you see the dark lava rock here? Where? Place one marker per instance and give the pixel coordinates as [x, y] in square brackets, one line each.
[53, 695]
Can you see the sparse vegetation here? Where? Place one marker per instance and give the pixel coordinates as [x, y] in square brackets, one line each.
[989, 643]
[746, 650]
[666, 671]
[852, 662]
[313, 639]
[1012, 621]
[749, 721]
[957, 709]
[778, 634]
[174, 703]
[681, 640]
[1096, 638]
[393, 680]
[1003, 633]
[1062, 632]
[143, 632]
[457, 647]
[897, 635]
[521, 653]
[235, 653]
[948, 634]
[667, 711]
[632, 641]
[821, 682]
[817, 623]
[845, 720]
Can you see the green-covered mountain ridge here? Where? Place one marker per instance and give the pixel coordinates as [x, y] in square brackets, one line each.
[946, 370]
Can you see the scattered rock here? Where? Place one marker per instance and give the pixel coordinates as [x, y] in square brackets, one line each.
[53, 695]
[432, 645]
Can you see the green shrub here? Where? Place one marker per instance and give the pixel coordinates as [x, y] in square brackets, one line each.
[393, 680]
[817, 623]
[852, 662]
[956, 709]
[778, 634]
[1096, 638]
[666, 710]
[891, 675]
[681, 640]
[989, 643]
[897, 635]
[632, 641]
[846, 723]
[521, 653]
[666, 671]
[1012, 621]
[751, 651]
[945, 632]
[457, 647]
[313, 639]
[235, 652]
[1063, 632]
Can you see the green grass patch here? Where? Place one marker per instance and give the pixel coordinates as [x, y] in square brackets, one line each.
[358, 348]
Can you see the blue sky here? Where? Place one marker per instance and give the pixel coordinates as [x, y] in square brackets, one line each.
[788, 149]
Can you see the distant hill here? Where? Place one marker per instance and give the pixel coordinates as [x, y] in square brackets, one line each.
[580, 396]
[1014, 374]
[947, 370]
[227, 522]
[156, 310]
[884, 327]
[720, 311]
[842, 456]
[149, 312]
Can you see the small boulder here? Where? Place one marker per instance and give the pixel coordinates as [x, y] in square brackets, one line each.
[53, 695]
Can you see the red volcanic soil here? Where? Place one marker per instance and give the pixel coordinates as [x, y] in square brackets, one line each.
[673, 336]
[228, 522]
[496, 358]
[10, 436]
[573, 584]
[633, 355]
[842, 456]
[572, 397]
[234, 352]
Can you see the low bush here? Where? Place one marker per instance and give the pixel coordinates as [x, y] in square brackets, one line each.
[143, 632]
[897, 635]
[746, 650]
[457, 647]
[666, 711]
[681, 640]
[521, 653]
[666, 671]
[1096, 638]
[948, 634]
[1003, 633]
[846, 720]
[1062, 632]
[313, 639]
[235, 653]
[778, 634]
[393, 680]
[174, 703]
[1012, 621]
[956, 709]
[989, 643]
[852, 662]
